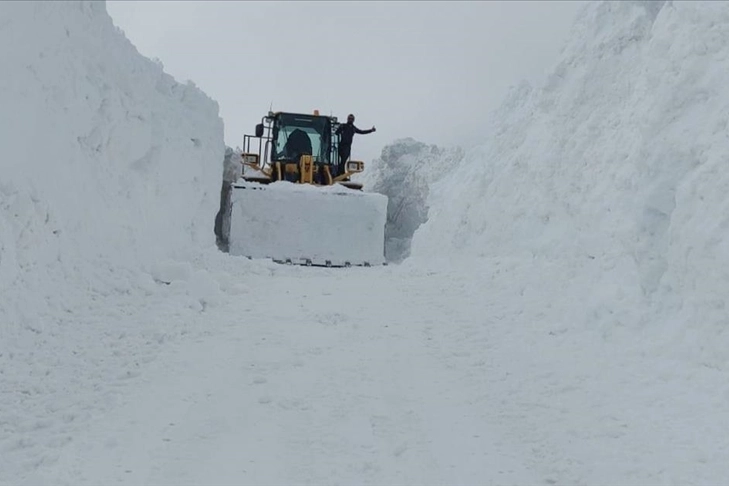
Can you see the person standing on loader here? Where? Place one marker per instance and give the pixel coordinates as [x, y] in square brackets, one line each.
[346, 132]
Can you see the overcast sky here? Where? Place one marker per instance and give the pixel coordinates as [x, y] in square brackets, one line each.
[412, 69]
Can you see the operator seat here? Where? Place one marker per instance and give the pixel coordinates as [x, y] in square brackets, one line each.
[298, 144]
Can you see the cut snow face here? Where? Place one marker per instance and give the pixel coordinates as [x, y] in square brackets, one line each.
[109, 167]
[231, 172]
[130, 160]
[404, 173]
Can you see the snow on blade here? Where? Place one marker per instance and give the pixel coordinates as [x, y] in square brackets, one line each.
[302, 223]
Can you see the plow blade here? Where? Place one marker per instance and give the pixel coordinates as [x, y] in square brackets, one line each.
[307, 225]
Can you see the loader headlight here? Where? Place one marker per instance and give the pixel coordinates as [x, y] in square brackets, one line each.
[250, 159]
[355, 166]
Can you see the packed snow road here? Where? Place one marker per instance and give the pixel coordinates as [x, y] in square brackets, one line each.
[314, 376]
[482, 373]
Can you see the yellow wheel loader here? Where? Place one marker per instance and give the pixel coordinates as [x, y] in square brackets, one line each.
[295, 202]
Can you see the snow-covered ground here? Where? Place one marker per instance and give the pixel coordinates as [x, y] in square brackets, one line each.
[561, 319]
[398, 375]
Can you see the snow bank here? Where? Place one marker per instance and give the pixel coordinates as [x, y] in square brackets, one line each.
[596, 211]
[404, 173]
[110, 172]
[620, 156]
[108, 162]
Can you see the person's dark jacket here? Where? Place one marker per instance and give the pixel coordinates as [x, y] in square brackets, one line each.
[347, 131]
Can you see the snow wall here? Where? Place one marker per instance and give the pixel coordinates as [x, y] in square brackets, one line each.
[616, 164]
[404, 173]
[109, 166]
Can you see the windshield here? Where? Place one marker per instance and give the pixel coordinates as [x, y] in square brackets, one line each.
[296, 135]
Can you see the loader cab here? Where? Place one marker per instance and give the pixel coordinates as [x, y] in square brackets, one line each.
[301, 148]
[297, 147]
[294, 135]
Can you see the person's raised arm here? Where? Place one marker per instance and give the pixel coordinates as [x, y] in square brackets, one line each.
[365, 132]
